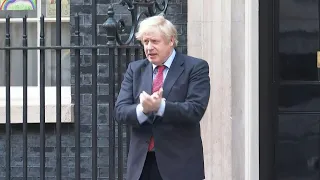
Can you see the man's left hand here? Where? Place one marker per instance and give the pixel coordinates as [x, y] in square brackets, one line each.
[151, 102]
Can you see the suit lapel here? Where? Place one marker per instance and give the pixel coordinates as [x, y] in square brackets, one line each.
[146, 77]
[174, 73]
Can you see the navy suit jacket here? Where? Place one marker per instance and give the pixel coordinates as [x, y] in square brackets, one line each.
[178, 144]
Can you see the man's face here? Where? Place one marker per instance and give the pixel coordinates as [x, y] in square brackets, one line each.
[156, 47]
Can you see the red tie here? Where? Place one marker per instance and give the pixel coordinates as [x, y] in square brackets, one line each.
[157, 84]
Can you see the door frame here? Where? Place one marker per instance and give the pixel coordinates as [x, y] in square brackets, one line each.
[267, 91]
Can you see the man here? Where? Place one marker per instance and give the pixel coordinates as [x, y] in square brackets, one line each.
[163, 98]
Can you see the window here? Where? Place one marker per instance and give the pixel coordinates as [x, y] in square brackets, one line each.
[34, 9]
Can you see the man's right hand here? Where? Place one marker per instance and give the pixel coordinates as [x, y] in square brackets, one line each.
[145, 103]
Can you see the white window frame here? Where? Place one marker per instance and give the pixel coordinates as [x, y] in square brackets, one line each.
[34, 91]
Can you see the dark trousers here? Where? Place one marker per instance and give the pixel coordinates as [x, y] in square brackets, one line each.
[150, 169]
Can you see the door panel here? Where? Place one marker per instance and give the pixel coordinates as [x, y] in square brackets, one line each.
[299, 97]
[297, 126]
[297, 149]
[298, 41]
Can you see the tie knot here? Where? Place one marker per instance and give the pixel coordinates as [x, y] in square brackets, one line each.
[161, 68]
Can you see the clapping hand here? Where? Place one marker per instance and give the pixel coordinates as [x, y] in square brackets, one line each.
[151, 103]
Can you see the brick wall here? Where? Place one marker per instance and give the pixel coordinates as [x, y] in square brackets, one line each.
[177, 13]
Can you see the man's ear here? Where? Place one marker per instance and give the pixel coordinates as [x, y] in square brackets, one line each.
[172, 41]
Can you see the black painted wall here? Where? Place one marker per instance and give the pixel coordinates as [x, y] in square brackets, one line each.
[177, 13]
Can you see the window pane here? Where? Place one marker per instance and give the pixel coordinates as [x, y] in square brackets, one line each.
[18, 8]
[51, 54]
[49, 8]
[16, 55]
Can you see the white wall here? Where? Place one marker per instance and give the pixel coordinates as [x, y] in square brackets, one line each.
[225, 33]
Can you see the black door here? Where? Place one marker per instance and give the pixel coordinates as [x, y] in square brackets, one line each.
[293, 85]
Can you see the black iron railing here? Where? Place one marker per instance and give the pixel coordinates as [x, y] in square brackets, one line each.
[120, 53]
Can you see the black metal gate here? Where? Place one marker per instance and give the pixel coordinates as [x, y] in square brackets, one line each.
[70, 154]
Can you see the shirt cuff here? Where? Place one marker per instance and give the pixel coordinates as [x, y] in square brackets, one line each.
[161, 108]
[140, 115]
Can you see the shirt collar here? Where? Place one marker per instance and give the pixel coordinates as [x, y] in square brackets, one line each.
[169, 61]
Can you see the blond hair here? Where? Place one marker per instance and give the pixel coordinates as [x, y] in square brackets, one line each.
[159, 23]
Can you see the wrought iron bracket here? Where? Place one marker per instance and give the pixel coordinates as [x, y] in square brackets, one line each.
[116, 28]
